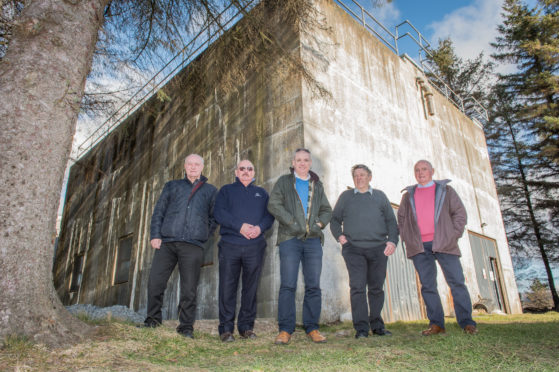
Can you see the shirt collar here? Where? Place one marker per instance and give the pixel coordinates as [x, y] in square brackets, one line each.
[302, 179]
[428, 185]
[370, 190]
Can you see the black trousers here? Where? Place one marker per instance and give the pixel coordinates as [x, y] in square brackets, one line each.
[366, 268]
[189, 258]
[233, 259]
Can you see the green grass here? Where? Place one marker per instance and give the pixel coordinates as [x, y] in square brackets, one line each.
[505, 343]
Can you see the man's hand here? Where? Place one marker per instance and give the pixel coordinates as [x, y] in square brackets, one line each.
[155, 243]
[254, 232]
[342, 239]
[390, 249]
[246, 230]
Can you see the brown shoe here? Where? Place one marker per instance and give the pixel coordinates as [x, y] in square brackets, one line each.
[315, 336]
[470, 329]
[283, 338]
[248, 334]
[433, 330]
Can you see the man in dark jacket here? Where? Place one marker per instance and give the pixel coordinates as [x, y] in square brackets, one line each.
[300, 205]
[431, 220]
[181, 224]
[241, 210]
[364, 223]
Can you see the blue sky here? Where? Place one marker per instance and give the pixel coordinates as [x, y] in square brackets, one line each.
[471, 24]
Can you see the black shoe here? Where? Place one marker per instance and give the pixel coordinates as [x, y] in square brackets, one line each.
[186, 333]
[361, 334]
[226, 337]
[248, 334]
[382, 332]
[150, 324]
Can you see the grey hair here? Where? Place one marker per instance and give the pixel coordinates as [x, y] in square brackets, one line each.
[201, 158]
[360, 166]
[301, 149]
[424, 161]
[240, 161]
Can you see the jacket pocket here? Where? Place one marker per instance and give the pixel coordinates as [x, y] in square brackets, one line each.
[200, 229]
[168, 227]
[315, 229]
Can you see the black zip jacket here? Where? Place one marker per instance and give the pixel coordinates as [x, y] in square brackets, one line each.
[184, 212]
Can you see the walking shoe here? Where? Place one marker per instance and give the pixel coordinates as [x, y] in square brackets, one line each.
[315, 336]
[248, 334]
[382, 332]
[226, 337]
[150, 324]
[283, 338]
[186, 333]
[433, 330]
[361, 334]
[470, 329]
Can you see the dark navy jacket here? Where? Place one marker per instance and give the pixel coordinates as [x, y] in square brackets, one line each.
[236, 204]
[179, 216]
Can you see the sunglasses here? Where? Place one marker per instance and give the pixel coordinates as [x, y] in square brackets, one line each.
[242, 169]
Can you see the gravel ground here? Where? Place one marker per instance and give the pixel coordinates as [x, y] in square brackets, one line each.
[118, 312]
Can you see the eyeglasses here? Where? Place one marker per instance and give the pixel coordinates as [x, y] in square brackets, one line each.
[242, 169]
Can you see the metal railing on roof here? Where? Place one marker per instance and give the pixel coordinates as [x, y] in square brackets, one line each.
[370, 23]
[196, 46]
[475, 110]
[352, 7]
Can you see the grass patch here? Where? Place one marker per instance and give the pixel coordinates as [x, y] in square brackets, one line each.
[84, 317]
[505, 343]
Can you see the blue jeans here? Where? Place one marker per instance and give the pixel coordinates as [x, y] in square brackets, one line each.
[309, 253]
[452, 269]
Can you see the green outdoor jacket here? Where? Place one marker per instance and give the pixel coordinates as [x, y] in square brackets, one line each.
[285, 205]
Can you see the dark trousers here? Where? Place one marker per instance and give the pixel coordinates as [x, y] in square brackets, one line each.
[308, 253]
[189, 258]
[366, 268]
[452, 269]
[233, 259]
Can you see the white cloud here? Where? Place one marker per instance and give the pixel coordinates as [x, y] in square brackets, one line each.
[471, 28]
[387, 14]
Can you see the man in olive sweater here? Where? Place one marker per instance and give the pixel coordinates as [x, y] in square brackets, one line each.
[365, 225]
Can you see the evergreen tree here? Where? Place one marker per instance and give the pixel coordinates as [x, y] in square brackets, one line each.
[523, 133]
[538, 297]
[466, 79]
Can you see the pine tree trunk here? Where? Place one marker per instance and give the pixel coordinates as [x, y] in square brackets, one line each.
[533, 219]
[42, 79]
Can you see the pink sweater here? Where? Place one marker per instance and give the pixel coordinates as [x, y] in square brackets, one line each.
[425, 209]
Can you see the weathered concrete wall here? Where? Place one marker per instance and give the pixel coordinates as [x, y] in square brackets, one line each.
[376, 116]
[113, 189]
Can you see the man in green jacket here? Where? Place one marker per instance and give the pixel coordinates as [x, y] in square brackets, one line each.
[299, 204]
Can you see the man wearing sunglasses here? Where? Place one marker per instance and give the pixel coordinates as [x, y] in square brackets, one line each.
[241, 210]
